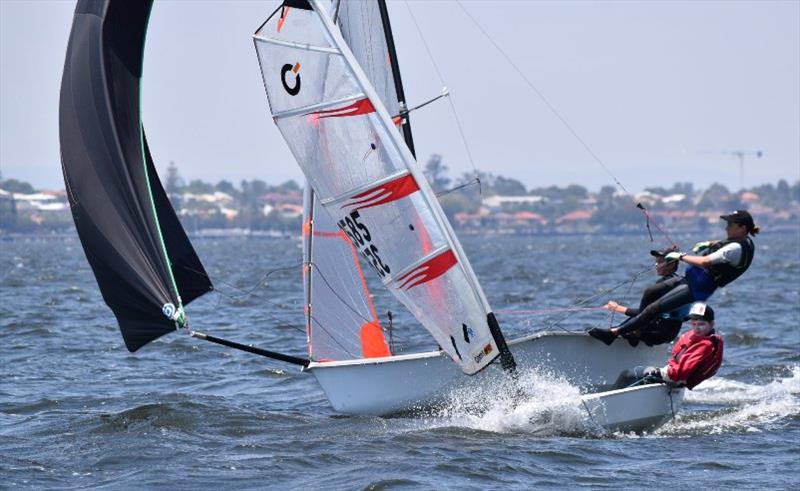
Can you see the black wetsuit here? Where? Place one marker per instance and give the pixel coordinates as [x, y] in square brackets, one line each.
[663, 328]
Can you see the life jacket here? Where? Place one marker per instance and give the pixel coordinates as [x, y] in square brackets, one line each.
[724, 273]
[709, 365]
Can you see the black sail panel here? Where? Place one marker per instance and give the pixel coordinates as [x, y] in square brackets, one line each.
[109, 179]
[189, 273]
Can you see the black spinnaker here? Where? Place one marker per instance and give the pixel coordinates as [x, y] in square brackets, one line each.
[145, 266]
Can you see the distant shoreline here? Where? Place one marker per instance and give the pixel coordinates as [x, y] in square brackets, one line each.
[273, 234]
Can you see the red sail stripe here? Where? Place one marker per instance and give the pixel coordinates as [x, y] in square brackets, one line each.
[359, 107]
[429, 270]
[388, 192]
[366, 203]
[283, 17]
[409, 277]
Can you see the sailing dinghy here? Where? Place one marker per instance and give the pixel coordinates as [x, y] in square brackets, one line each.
[333, 83]
[341, 109]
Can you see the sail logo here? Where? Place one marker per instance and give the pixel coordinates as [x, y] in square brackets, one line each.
[169, 310]
[384, 193]
[427, 271]
[357, 108]
[482, 353]
[294, 89]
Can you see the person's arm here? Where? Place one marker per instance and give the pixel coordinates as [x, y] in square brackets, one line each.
[701, 261]
[613, 306]
[731, 253]
[632, 312]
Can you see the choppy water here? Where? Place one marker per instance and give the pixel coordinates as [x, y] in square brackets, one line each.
[78, 410]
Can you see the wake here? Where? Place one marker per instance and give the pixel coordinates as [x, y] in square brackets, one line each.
[737, 406]
[548, 406]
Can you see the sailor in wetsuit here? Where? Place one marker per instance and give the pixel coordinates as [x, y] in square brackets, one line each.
[665, 327]
[716, 264]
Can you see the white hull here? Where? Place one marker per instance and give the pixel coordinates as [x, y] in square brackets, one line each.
[633, 409]
[380, 386]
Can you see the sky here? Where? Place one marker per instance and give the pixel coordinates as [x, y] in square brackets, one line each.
[658, 91]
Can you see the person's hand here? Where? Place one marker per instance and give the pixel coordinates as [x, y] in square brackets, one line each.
[612, 306]
[701, 246]
[674, 256]
[652, 372]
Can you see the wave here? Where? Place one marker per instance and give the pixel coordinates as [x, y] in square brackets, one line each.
[547, 406]
[744, 407]
[538, 403]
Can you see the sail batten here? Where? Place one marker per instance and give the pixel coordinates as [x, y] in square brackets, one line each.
[307, 47]
[317, 107]
[360, 190]
[367, 182]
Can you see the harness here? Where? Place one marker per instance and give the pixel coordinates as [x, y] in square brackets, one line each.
[724, 273]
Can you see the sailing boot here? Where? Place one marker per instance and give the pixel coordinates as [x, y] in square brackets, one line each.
[604, 335]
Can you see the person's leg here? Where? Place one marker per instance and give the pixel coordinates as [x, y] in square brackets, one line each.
[675, 298]
[657, 290]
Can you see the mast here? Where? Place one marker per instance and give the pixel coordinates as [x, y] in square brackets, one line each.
[308, 228]
[398, 81]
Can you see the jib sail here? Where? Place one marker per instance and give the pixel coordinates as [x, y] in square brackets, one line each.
[144, 264]
[341, 320]
[363, 174]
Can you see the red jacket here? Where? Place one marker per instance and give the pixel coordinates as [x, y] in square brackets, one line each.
[695, 358]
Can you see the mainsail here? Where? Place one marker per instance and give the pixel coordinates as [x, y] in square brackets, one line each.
[341, 319]
[366, 178]
[144, 264]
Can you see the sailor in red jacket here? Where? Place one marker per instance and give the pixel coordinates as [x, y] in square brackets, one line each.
[698, 353]
[695, 357]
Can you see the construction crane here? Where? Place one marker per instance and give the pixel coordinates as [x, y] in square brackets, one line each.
[739, 154]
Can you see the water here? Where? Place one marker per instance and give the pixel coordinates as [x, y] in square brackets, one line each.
[78, 410]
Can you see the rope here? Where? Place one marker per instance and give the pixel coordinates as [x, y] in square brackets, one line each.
[472, 182]
[546, 311]
[592, 298]
[278, 322]
[449, 99]
[558, 115]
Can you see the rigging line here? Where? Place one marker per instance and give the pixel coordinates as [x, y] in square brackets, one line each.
[630, 287]
[545, 311]
[591, 298]
[543, 98]
[403, 112]
[336, 294]
[250, 292]
[562, 119]
[278, 322]
[441, 79]
[649, 219]
[334, 339]
[472, 182]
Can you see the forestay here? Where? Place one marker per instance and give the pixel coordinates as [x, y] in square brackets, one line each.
[364, 175]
